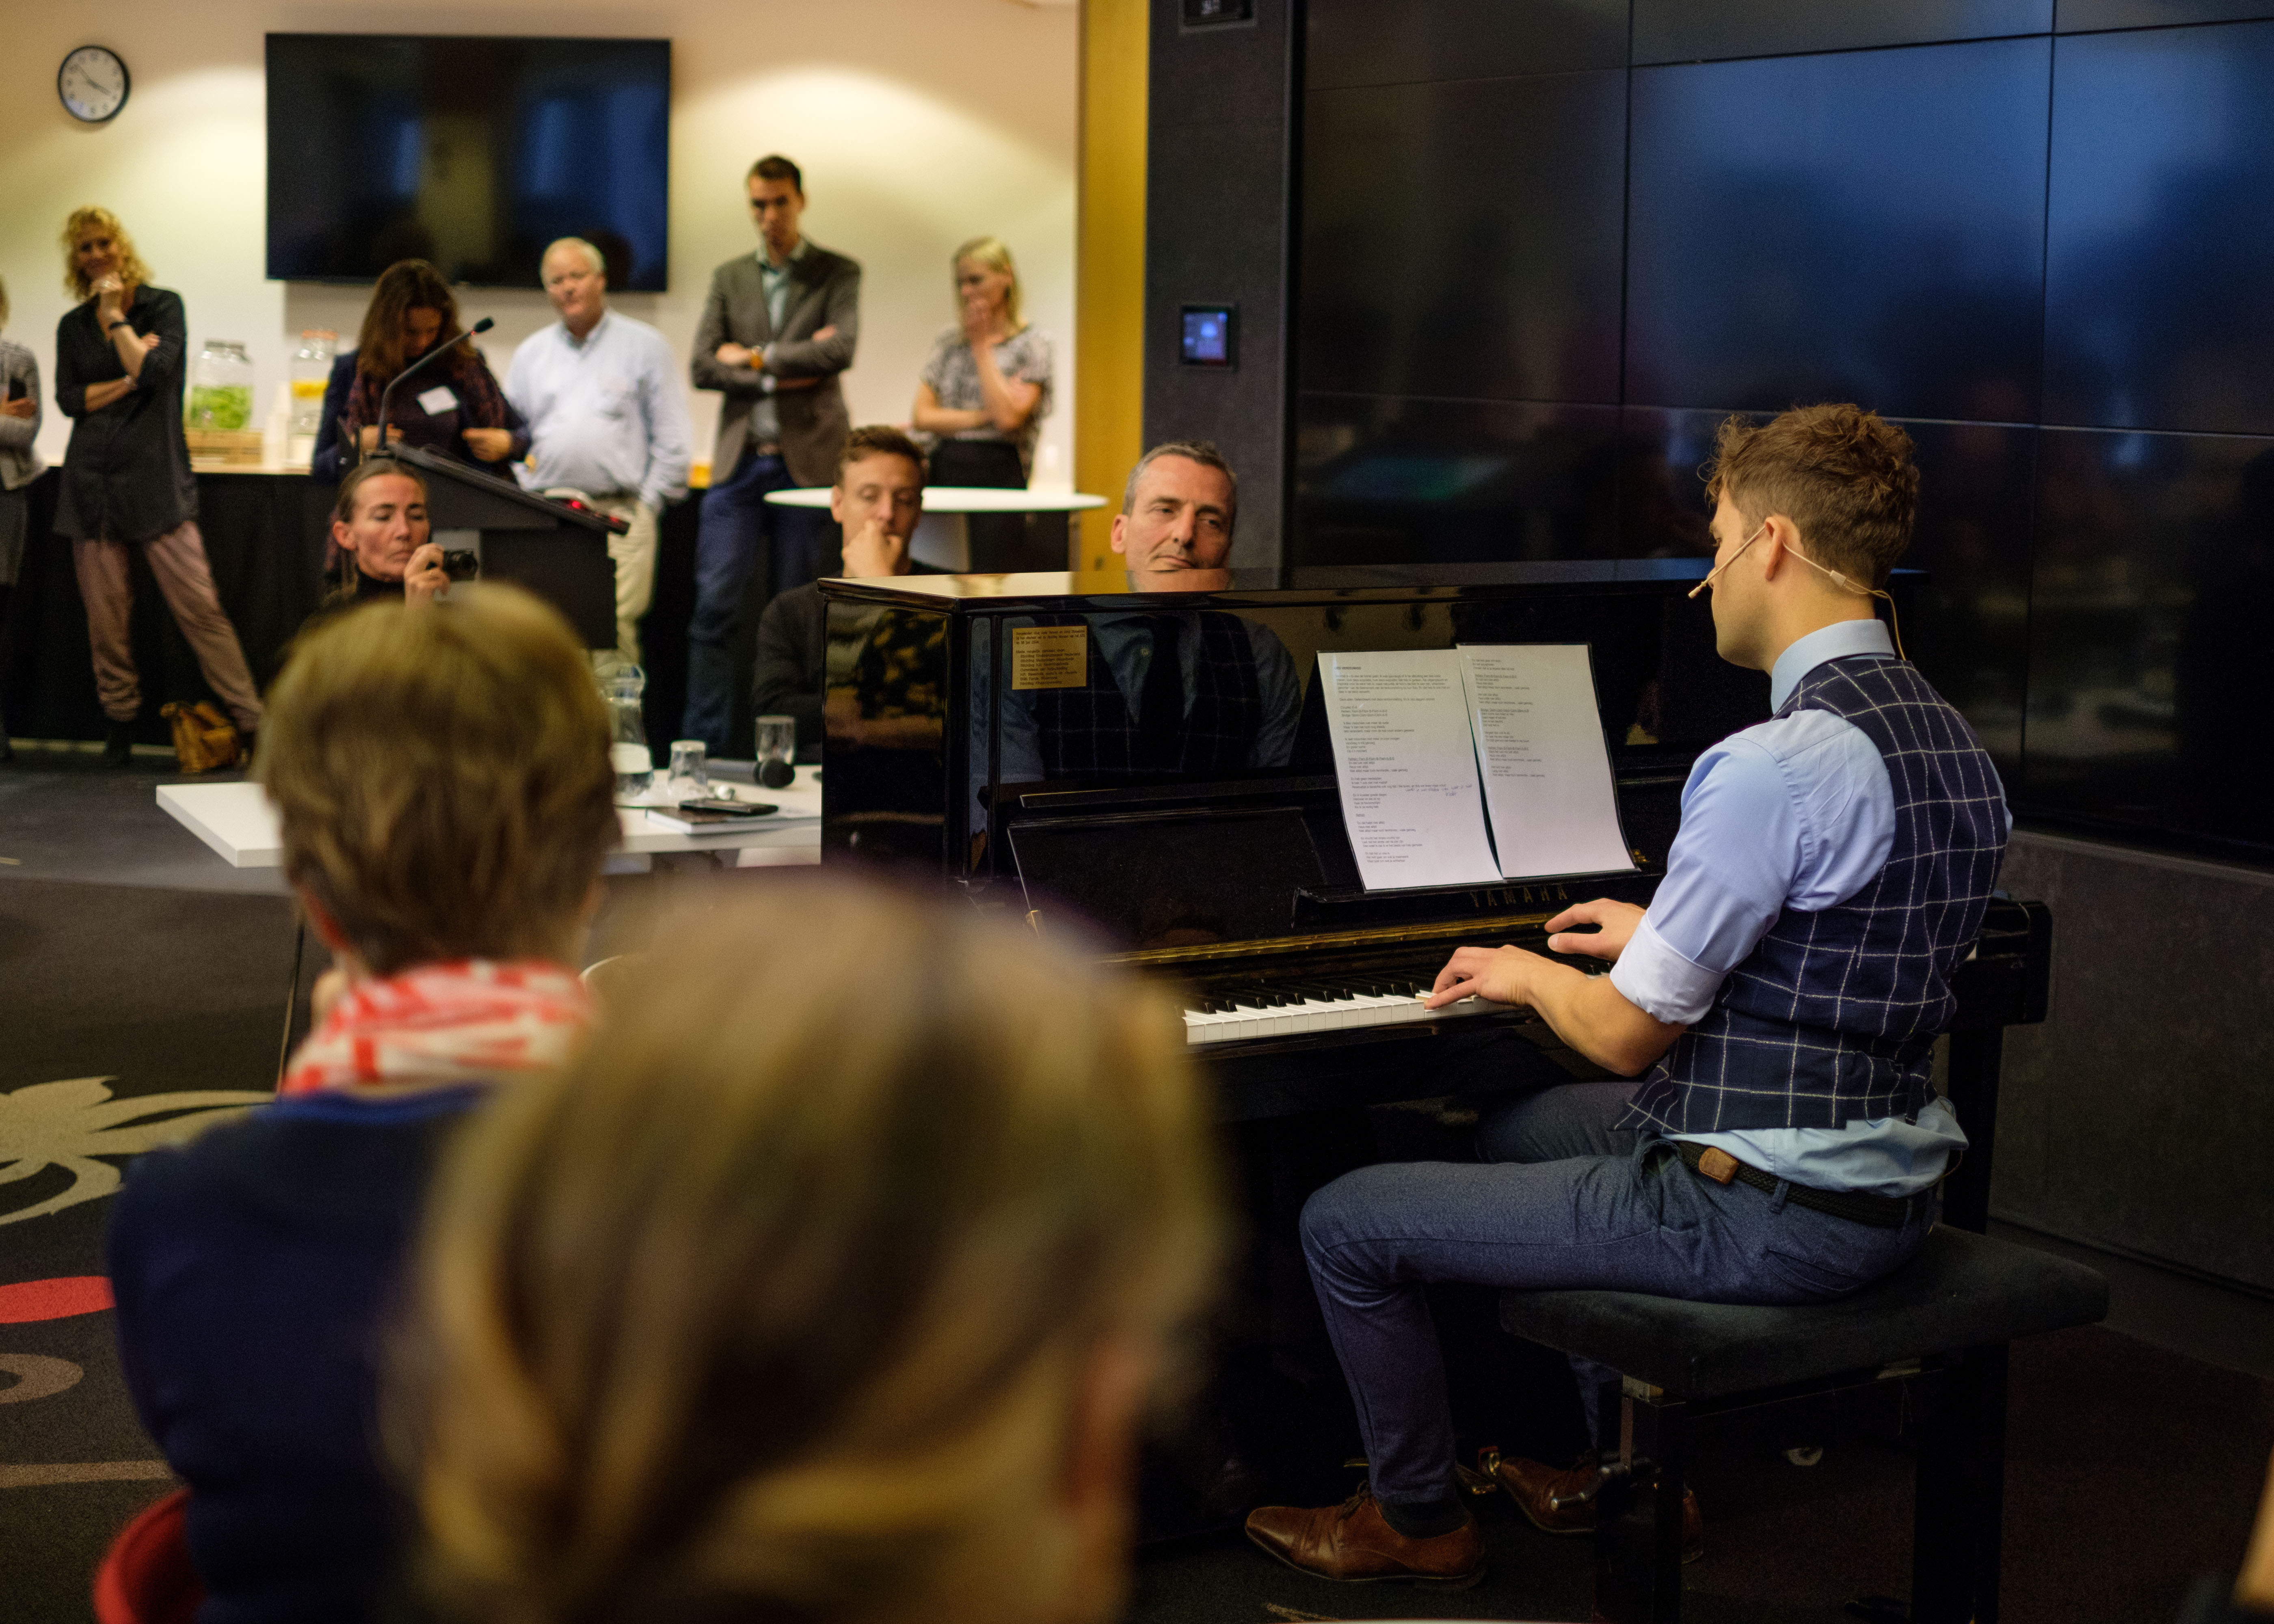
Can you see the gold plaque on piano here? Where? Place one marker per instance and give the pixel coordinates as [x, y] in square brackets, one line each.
[1050, 655]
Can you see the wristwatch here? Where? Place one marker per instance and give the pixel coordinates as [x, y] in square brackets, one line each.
[115, 325]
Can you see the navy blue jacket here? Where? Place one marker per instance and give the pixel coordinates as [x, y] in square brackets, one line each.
[257, 1271]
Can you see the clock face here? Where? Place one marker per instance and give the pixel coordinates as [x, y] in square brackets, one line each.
[93, 83]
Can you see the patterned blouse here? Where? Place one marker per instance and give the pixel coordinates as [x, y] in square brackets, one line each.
[470, 398]
[1024, 356]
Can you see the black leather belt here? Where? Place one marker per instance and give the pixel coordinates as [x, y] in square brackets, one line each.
[1881, 1211]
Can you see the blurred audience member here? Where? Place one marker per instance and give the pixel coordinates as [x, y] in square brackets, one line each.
[127, 473]
[606, 416]
[762, 1314]
[877, 501]
[19, 465]
[985, 391]
[454, 405]
[442, 785]
[2250, 1599]
[777, 326]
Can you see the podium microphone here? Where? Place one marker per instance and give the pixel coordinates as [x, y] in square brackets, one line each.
[387, 395]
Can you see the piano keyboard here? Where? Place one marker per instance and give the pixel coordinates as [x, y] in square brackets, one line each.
[1289, 1009]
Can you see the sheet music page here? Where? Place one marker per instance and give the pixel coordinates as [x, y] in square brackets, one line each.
[1547, 771]
[1406, 768]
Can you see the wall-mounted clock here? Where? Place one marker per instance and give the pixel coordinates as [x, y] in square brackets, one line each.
[93, 83]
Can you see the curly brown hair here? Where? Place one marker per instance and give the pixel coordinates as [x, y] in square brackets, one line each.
[1842, 474]
[403, 287]
[86, 223]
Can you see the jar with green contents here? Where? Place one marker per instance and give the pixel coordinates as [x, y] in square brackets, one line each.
[221, 386]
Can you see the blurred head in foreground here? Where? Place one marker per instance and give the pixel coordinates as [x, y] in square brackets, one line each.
[441, 782]
[763, 1312]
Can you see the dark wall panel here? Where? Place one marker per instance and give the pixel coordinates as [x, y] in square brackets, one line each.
[1465, 238]
[2160, 234]
[1863, 226]
[1397, 42]
[1703, 30]
[1967, 624]
[2155, 562]
[1217, 229]
[2077, 16]
[1380, 477]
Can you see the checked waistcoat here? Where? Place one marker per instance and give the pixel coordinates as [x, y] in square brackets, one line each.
[1833, 1016]
[1086, 732]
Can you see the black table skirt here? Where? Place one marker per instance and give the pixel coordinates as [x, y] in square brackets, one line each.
[264, 535]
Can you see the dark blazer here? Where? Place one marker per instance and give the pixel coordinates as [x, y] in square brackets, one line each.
[256, 1272]
[824, 291]
[325, 461]
[127, 471]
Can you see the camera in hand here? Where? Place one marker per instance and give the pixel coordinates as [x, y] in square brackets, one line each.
[462, 563]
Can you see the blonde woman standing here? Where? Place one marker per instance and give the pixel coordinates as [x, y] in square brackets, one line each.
[755, 1312]
[19, 465]
[985, 391]
[127, 473]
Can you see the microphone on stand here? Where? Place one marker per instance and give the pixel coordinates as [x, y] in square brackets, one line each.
[387, 395]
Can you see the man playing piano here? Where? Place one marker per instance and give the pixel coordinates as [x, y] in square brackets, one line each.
[1780, 996]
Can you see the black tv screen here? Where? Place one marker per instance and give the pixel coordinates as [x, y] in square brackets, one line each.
[470, 152]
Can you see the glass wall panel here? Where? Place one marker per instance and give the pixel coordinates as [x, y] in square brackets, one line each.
[1399, 42]
[1702, 30]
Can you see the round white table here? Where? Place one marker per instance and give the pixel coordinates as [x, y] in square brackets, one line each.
[941, 539]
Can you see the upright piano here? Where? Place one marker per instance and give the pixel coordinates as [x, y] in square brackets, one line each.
[1238, 882]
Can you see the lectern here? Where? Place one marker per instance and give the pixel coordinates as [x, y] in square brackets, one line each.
[557, 550]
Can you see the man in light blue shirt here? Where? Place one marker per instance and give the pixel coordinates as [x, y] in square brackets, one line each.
[607, 419]
[1781, 995]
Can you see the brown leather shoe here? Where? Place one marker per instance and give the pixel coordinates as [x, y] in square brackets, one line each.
[1533, 1487]
[1353, 1544]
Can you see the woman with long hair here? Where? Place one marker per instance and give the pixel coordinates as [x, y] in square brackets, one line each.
[453, 405]
[757, 1313]
[127, 473]
[985, 391]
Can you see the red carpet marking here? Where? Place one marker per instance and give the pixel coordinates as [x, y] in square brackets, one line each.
[54, 1299]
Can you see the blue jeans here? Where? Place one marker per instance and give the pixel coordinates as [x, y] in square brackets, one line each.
[1560, 1199]
[739, 539]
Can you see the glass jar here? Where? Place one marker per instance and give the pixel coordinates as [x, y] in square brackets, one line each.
[221, 387]
[311, 372]
[628, 750]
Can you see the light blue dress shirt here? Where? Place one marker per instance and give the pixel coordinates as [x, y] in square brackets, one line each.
[605, 413]
[1795, 813]
[765, 416]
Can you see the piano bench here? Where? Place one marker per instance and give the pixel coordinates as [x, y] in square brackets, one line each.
[1943, 1319]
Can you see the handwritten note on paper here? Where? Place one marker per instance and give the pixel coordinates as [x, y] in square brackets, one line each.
[1547, 771]
[1406, 768]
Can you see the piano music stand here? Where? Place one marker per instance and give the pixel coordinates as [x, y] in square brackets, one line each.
[557, 552]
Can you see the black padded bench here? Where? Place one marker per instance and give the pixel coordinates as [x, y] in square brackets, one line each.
[1944, 1320]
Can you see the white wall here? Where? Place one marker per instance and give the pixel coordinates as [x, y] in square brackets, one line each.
[918, 124]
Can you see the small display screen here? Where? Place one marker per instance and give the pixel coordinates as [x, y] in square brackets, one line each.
[1208, 335]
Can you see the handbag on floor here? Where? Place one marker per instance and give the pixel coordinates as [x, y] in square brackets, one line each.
[204, 741]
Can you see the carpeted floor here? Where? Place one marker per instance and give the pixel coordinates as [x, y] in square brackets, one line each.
[2132, 1467]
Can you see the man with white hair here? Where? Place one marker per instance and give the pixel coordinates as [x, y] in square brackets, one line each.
[607, 418]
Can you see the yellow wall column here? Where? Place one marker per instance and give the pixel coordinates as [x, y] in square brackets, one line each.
[1110, 263]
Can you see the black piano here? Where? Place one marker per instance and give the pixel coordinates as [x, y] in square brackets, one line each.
[1238, 882]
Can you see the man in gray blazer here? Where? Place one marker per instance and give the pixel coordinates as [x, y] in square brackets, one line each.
[777, 328]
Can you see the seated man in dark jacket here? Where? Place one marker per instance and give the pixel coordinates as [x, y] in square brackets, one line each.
[878, 498]
[445, 799]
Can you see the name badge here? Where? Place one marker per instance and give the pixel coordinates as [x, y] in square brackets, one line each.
[437, 400]
[1049, 656]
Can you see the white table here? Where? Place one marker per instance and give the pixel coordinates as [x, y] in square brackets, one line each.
[237, 821]
[941, 539]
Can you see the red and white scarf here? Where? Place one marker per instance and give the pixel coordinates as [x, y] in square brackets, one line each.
[449, 1022]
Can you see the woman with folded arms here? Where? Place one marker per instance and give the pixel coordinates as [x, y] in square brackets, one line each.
[757, 1312]
[985, 391]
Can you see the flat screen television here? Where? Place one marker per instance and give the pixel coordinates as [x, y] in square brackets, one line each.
[470, 152]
